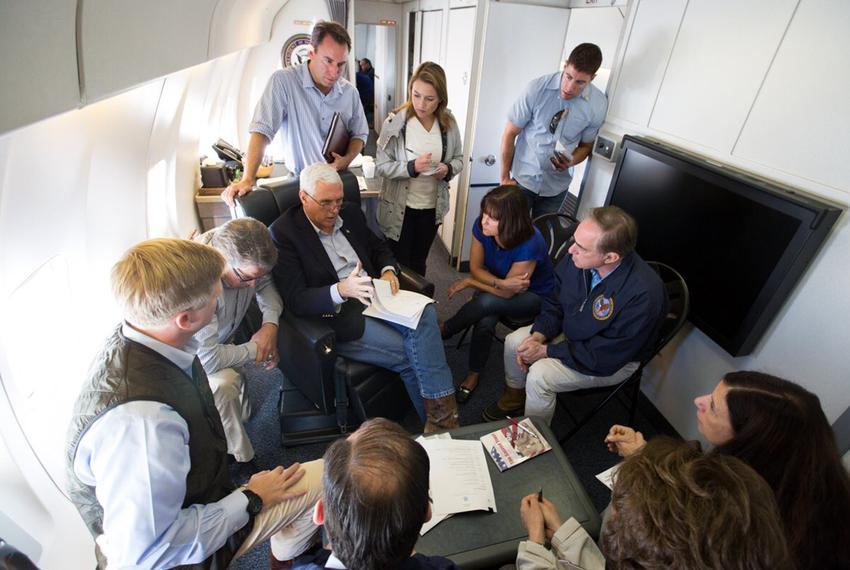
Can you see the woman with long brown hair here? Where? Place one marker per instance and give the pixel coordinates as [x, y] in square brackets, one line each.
[419, 152]
[780, 430]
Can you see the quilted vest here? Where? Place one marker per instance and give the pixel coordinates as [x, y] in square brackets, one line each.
[126, 371]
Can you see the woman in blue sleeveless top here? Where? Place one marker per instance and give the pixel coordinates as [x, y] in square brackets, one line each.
[510, 270]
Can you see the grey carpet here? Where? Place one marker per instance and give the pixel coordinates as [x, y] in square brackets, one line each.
[586, 449]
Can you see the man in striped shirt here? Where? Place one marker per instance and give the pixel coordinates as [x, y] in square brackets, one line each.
[300, 102]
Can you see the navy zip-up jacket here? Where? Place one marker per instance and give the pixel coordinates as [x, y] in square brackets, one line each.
[609, 326]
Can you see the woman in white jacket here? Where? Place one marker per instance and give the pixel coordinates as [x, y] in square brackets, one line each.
[419, 151]
[672, 507]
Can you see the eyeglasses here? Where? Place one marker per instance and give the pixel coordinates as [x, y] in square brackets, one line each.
[556, 118]
[328, 205]
[241, 276]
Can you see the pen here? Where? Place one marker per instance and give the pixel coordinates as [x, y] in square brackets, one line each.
[540, 495]
[522, 427]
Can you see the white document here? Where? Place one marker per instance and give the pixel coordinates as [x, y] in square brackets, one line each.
[459, 479]
[356, 161]
[404, 308]
[607, 476]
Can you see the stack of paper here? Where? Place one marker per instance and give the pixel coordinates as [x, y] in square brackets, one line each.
[460, 481]
[404, 308]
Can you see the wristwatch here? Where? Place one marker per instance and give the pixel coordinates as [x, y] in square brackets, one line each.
[255, 503]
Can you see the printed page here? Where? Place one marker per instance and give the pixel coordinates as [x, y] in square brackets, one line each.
[460, 480]
[607, 476]
[404, 308]
[404, 303]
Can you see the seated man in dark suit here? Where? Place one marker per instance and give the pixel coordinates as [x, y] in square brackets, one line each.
[326, 259]
[375, 500]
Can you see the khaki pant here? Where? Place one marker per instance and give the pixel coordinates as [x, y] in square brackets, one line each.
[233, 406]
[549, 376]
[289, 524]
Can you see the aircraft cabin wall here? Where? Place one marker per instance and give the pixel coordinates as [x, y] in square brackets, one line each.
[76, 191]
[758, 85]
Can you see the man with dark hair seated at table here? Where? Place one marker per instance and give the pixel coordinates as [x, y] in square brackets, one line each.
[672, 507]
[374, 502]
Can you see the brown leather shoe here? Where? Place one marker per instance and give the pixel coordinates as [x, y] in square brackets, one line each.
[441, 413]
[512, 403]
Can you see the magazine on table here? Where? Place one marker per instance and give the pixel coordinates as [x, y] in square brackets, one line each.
[514, 443]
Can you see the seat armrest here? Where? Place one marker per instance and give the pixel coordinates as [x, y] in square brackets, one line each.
[409, 280]
[314, 330]
[307, 357]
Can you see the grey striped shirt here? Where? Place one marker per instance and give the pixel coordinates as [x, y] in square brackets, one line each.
[292, 102]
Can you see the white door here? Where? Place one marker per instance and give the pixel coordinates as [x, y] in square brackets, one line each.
[461, 35]
[383, 56]
[521, 42]
[431, 39]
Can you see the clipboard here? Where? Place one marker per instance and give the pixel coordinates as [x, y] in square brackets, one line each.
[337, 139]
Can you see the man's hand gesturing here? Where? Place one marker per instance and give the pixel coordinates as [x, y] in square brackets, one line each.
[356, 286]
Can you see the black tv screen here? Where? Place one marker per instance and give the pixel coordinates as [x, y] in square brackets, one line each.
[740, 243]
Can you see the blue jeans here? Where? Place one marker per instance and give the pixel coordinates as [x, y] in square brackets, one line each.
[483, 311]
[417, 355]
[540, 205]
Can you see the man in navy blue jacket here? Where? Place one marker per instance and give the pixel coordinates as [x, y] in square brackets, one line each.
[595, 326]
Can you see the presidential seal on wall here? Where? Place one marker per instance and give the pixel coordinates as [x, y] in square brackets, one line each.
[294, 51]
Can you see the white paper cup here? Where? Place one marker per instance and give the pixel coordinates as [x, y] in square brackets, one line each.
[368, 169]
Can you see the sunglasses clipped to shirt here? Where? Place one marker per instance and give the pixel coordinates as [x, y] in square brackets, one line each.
[556, 118]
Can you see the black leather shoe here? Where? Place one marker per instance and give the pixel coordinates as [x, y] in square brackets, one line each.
[494, 412]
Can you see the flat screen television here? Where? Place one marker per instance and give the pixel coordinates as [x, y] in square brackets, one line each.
[740, 243]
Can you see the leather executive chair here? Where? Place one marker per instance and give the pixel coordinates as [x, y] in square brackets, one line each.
[324, 395]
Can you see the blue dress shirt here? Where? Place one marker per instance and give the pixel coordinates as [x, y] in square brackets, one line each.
[533, 112]
[292, 103]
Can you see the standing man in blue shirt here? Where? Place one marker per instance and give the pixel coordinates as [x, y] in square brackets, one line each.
[300, 102]
[551, 128]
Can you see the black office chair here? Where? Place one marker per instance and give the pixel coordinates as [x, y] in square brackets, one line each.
[557, 230]
[677, 312]
[324, 395]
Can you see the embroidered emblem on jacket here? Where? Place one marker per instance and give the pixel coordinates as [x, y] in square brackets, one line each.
[603, 307]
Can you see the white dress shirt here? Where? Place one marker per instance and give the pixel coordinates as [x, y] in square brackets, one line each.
[136, 456]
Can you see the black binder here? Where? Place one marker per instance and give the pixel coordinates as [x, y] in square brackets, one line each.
[337, 139]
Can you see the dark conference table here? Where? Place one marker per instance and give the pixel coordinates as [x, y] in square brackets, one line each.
[481, 539]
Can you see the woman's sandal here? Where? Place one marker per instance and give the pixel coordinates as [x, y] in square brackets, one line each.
[462, 394]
